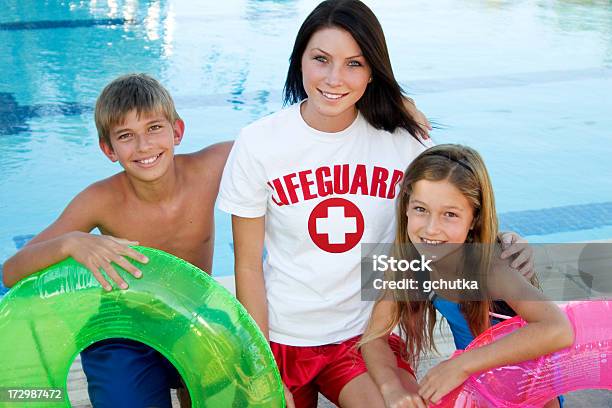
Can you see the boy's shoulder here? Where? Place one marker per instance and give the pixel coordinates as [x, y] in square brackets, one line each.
[91, 207]
[104, 192]
[208, 161]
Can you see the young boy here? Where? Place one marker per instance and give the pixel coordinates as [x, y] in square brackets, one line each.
[160, 200]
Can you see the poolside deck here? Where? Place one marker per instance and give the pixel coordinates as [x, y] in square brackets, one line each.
[77, 384]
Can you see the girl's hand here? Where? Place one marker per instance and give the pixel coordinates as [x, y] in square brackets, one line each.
[399, 397]
[442, 379]
[518, 247]
[97, 252]
[288, 397]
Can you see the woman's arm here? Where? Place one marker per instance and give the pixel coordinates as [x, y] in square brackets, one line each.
[418, 116]
[548, 330]
[517, 248]
[248, 249]
[382, 363]
[250, 286]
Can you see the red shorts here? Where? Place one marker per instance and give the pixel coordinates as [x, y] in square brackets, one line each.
[306, 371]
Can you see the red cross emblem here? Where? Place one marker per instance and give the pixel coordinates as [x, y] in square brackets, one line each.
[336, 225]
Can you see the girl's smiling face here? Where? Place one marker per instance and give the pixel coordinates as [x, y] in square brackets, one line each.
[335, 75]
[438, 213]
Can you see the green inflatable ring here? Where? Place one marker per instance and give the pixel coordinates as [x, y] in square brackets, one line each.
[51, 316]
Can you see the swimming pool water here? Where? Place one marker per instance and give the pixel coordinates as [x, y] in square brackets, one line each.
[527, 83]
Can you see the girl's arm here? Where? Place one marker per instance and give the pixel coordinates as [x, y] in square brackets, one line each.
[382, 363]
[248, 252]
[548, 330]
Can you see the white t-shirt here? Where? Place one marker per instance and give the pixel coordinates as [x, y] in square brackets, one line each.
[322, 195]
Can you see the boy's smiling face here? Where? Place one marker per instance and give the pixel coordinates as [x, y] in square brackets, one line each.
[144, 146]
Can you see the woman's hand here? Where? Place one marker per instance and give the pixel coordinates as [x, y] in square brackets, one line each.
[399, 397]
[442, 379]
[97, 252]
[516, 246]
[288, 397]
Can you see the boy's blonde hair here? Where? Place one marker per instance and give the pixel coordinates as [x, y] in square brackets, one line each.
[138, 92]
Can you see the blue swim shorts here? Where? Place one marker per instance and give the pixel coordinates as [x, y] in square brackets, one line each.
[125, 373]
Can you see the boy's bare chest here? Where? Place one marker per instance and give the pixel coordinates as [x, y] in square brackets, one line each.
[183, 229]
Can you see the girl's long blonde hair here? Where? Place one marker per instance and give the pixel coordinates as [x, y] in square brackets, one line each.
[463, 168]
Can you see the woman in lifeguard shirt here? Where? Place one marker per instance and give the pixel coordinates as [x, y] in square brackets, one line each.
[310, 183]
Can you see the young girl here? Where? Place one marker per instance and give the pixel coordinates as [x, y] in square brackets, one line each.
[446, 198]
[312, 182]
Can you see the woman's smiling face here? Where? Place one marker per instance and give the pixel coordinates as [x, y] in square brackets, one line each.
[335, 76]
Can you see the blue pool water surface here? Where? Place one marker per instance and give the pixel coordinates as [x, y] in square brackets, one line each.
[527, 83]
